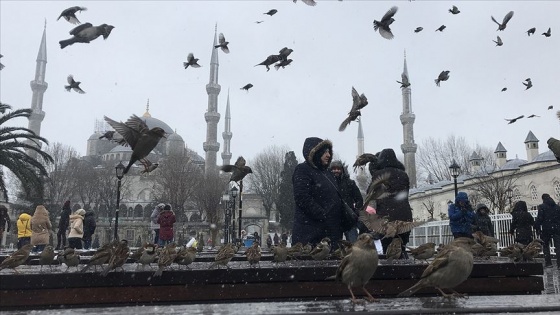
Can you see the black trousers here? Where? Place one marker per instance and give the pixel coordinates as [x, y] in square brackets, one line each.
[546, 238]
[60, 239]
[75, 242]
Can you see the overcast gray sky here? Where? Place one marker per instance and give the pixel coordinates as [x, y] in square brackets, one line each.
[335, 48]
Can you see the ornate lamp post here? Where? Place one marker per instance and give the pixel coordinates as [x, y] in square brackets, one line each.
[509, 195]
[227, 217]
[455, 170]
[233, 193]
[119, 170]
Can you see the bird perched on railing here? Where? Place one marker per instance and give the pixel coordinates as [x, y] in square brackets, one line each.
[224, 255]
[394, 250]
[253, 254]
[101, 256]
[344, 249]
[119, 255]
[46, 257]
[450, 268]
[358, 267]
[532, 250]
[423, 252]
[513, 252]
[148, 255]
[138, 136]
[186, 256]
[295, 251]
[166, 258]
[19, 257]
[280, 253]
[238, 171]
[322, 250]
[70, 258]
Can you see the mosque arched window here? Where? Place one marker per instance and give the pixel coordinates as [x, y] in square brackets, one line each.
[556, 186]
[534, 194]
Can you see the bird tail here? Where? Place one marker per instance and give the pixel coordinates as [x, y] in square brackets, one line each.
[105, 271]
[66, 42]
[102, 137]
[437, 81]
[85, 268]
[375, 25]
[68, 88]
[410, 291]
[128, 167]
[158, 272]
[186, 65]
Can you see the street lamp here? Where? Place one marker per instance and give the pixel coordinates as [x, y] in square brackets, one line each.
[225, 199]
[119, 171]
[233, 193]
[455, 169]
[509, 195]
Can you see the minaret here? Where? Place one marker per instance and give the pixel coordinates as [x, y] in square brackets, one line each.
[38, 86]
[407, 119]
[361, 171]
[226, 154]
[532, 146]
[212, 117]
[501, 155]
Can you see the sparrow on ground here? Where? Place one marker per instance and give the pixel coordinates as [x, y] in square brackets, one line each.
[17, 258]
[450, 268]
[271, 12]
[528, 84]
[502, 26]
[423, 252]
[377, 190]
[511, 121]
[384, 25]
[441, 28]
[547, 33]
[308, 2]
[46, 257]
[394, 250]
[136, 134]
[85, 33]
[191, 61]
[404, 81]
[253, 254]
[73, 85]
[322, 250]
[358, 102]
[364, 159]
[246, 87]
[554, 145]
[166, 258]
[101, 256]
[531, 31]
[148, 166]
[498, 41]
[119, 255]
[238, 171]
[70, 14]
[358, 267]
[279, 253]
[108, 135]
[454, 10]
[418, 29]
[223, 44]
[224, 256]
[443, 76]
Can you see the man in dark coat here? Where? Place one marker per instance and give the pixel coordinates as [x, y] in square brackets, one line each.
[350, 194]
[89, 228]
[396, 206]
[547, 226]
[318, 210]
[483, 220]
[63, 225]
[461, 216]
[521, 223]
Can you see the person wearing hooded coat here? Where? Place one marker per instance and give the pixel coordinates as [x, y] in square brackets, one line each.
[396, 205]
[166, 220]
[23, 230]
[461, 216]
[318, 207]
[521, 223]
[89, 228]
[483, 220]
[63, 225]
[350, 193]
[40, 228]
[76, 229]
[547, 226]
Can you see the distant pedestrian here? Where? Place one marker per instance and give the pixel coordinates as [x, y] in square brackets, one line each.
[521, 223]
[166, 220]
[483, 220]
[89, 228]
[76, 229]
[461, 216]
[284, 238]
[40, 228]
[268, 241]
[257, 237]
[4, 221]
[154, 225]
[547, 226]
[276, 239]
[24, 230]
[63, 225]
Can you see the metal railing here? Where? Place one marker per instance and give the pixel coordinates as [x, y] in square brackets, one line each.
[439, 232]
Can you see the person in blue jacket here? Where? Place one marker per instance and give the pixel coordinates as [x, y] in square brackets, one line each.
[461, 216]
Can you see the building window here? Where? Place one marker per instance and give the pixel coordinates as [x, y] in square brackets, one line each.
[516, 195]
[534, 195]
[130, 235]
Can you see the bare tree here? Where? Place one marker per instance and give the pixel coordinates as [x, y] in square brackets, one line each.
[429, 204]
[265, 180]
[208, 194]
[60, 183]
[492, 187]
[177, 179]
[286, 203]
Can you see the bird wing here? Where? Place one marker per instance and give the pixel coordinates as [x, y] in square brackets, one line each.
[386, 33]
[404, 78]
[389, 14]
[228, 168]
[137, 123]
[364, 159]
[374, 222]
[493, 19]
[507, 17]
[403, 227]
[222, 39]
[441, 260]
[345, 123]
[309, 2]
[76, 30]
[129, 134]
[355, 100]
[190, 58]
[79, 90]
[70, 79]
[240, 162]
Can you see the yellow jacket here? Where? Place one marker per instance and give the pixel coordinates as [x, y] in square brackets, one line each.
[24, 225]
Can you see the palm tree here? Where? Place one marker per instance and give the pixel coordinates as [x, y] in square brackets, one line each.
[14, 141]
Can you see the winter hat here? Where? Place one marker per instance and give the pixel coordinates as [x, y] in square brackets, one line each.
[481, 206]
[461, 196]
[81, 212]
[160, 206]
[167, 207]
[66, 204]
[337, 164]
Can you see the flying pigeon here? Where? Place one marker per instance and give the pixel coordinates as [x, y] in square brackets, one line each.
[358, 102]
[454, 10]
[238, 171]
[502, 26]
[547, 33]
[247, 87]
[528, 84]
[531, 31]
[498, 41]
[223, 44]
[74, 85]
[441, 28]
[85, 33]
[191, 61]
[386, 21]
[511, 121]
[418, 29]
[271, 12]
[70, 14]
[404, 83]
[443, 76]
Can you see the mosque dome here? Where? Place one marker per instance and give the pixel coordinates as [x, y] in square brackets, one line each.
[154, 122]
[545, 156]
[174, 137]
[513, 164]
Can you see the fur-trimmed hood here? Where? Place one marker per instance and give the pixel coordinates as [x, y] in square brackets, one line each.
[313, 149]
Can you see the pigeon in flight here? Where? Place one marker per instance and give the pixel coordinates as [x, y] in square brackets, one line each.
[384, 25]
[404, 83]
[533, 115]
[498, 41]
[271, 12]
[191, 61]
[223, 44]
[441, 28]
[70, 14]
[454, 10]
[443, 76]
[547, 33]
[358, 102]
[73, 85]
[528, 84]
[531, 31]
[418, 29]
[85, 33]
[108, 135]
[511, 121]
[308, 2]
[283, 64]
[502, 26]
[504, 89]
[238, 171]
[247, 87]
